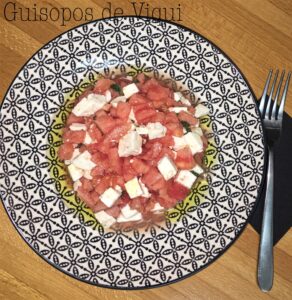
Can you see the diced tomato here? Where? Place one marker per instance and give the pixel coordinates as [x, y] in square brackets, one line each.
[137, 99]
[158, 93]
[166, 140]
[123, 110]
[184, 116]
[140, 106]
[115, 161]
[65, 151]
[117, 180]
[171, 117]
[113, 112]
[103, 185]
[177, 190]
[113, 211]
[100, 113]
[86, 184]
[138, 203]
[75, 137]
[98, 170]
[99, 205]
[184, 159]
[159, 105]
[149, 84]
[139, 166]
[107, 107]
[102, 147]
[192, 110]
[170, 102]
[105, 123]
[94, 132]
[74, 119]
[175, 129]
[114, 93]
[167, 202]
[128, 172]
[159, 117]
[151, 150]
[102, 85]
[150, 204]
[92, 148]
[199, 158]
[123, 201]
[153, 179]
[144, 116]
[205, 141]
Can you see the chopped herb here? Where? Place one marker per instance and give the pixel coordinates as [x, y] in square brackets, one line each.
[186, 126]
[116, 88]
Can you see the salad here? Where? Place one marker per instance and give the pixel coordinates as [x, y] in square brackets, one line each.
[133, 148]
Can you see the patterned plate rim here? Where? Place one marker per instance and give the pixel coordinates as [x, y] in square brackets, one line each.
[259, 191]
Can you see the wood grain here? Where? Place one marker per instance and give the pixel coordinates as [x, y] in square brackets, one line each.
[257, 35]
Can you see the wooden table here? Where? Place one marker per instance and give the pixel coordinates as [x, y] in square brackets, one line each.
[257, 35]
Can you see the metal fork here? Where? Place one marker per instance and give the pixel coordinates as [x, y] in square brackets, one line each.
[272, 119]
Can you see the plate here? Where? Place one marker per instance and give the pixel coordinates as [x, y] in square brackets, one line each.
[33, 186]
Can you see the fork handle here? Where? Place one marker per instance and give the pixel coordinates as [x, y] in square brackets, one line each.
[266, 259]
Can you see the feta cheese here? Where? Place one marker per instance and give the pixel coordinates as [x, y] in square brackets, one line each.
[132, 116]
[130, 144]
[142, 130]
[89, 105]
[186, 178]
[201, 110]
[118, 99]
[77, 184]
[197, 169]
[75, 172]
[77, 126]
[110, 196]
[185, 101]
[83, 161]
[130, 89]
[145, 190]
[156, 130]
[87, 174]
[87, 139]
[178, 109]
[108, 96]
[76, 152]
[198, 130]
[157, 207]
[128, 212]
[178, 96]
[118, 188]
[194, 141]
[133, 188]
[179, 143]
[167, 167]
[136, 217]
[105, 219]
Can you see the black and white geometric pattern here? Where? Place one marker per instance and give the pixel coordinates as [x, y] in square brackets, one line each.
[31, 184]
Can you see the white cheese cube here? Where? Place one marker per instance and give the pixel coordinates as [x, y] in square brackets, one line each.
[156, 130]
[77, 126]
[186, 178]
[87, 174]
[142, 130]
[118, 188]
[110, 196]
[75, 172]
[179, 143]
[128, 212]
[118, 99]
[105, 219]
[130, 89]
[130, 78]
[130, 144]
[89, 105]
[77, 184]
[83, 161]
[177, 96]
[132, 116]
[198, 130]
[157, 207]
[198, 169]
[133, 188]
[87, 140]
[185, 101]
[145, 190]
[178, 109]
[167, 167]
[194, 141]
[76, 152]
[108, 96]
[136, 217]
[201, 110]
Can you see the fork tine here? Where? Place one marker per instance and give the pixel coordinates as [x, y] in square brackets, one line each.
[282, 103]
[273, 116]
[263, 98]
[267, 114]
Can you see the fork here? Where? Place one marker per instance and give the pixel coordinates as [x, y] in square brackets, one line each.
[272, 120]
